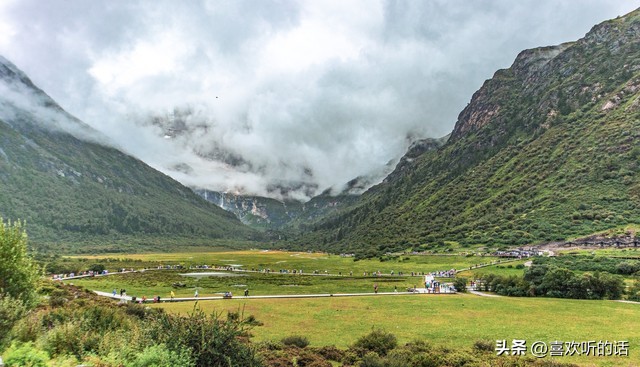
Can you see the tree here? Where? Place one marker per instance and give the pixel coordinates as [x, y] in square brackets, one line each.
[19, 274]
[460, 283]
[634, 291]
[557, 283]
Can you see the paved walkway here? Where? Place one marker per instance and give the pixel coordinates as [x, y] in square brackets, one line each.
[482, 294]
[319, 295]
[491, 263]
[97, 275]
[625, 301]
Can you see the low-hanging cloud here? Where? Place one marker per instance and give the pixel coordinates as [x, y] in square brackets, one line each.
[21, 103]
[277, 98]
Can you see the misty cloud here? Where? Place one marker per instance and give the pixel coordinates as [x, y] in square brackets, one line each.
[22, 103]
[299, 95]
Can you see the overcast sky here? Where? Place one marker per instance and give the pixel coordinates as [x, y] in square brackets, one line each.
[308, 94]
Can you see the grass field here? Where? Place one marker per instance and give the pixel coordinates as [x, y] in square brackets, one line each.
[607, 252]
[152, 283]
[159, 282]
[451, 320]
[503, 270]
[276, 260]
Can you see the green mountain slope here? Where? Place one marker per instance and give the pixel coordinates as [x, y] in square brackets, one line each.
[77, 194]
[547, 149]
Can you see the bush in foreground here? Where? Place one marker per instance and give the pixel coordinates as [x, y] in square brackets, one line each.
[212, 341]
[296, 340]
[19, 274]
[377, 341]
[25, 354]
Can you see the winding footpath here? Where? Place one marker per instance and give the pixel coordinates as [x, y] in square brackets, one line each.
[318, 295]
[420, 291]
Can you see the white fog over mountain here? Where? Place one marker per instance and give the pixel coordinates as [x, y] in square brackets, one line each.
[277, 98]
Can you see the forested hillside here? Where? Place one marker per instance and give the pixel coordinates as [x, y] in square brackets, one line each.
[546, 150]
[75, 192]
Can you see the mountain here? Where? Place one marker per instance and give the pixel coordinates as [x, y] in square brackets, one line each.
[288, 215]
[76, 193]
[547, 149]
[271, 214]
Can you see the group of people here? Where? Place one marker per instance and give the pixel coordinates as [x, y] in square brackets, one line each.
[156, 299]
[441, 274]
[444, 273]
[123, 292]
[196, 294]
[88, 273]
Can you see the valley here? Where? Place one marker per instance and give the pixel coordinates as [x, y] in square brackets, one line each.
[443, 320]
[249, 211]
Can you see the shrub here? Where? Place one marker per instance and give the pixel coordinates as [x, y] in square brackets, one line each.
[102, 319]
[426, 360]
[29, 328]
[57, 298]
[457, 358]
[483, 346]
[307, 358]
[212, 341]
[627, 267]
[160, 356]
[331, 353]
[136, 310]
[296, 340]
[399, 358]
[377, 341]
[64, 339]
[11, 310]
[26, 354]
[65, 361]
[19, 274]
[634, 291]
[276, 359]
[350, 358]
[270, 345]
[371, 359]
[419, 346]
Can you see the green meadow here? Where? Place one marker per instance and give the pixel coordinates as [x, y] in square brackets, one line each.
[276, 260]
[507, 269]
[607, 252]
[343, 274]
[454, 321]
[159, 282]
[451, 320]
